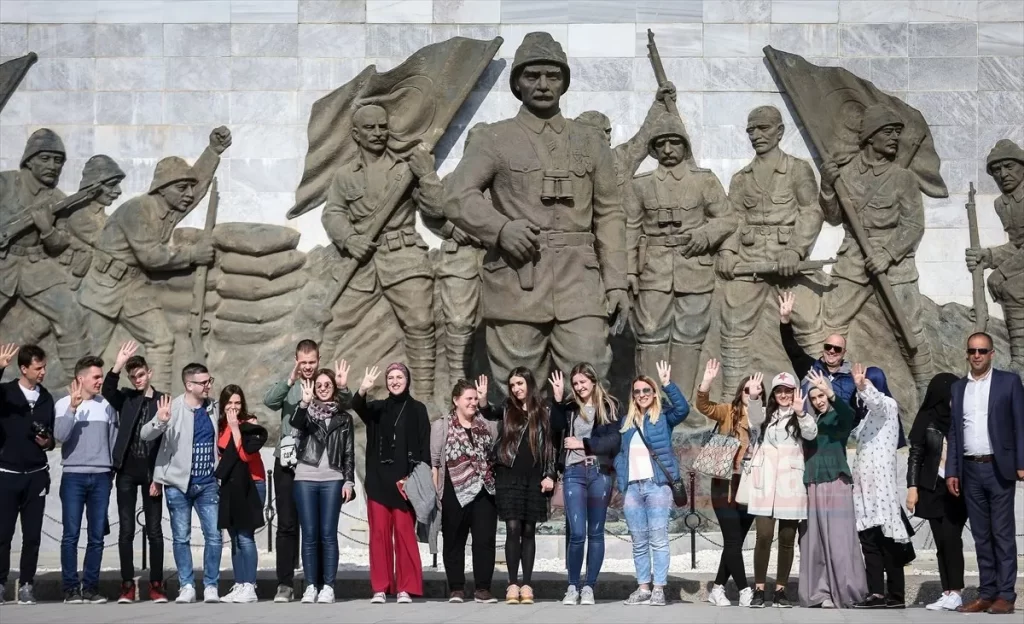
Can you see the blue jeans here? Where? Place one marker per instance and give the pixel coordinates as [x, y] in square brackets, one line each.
[586, 491]
[204, 499]
[647, 507]
[245, 559]
[319, 505]
[87, 494]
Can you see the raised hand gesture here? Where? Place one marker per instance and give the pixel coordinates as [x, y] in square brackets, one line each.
[307, 391]
[126, 351]
[798, 401]
[163, 408]
[754, 385]
[294, 375]
[557, 386]
[341, 368]
[369, 379]
[710, 372]
[481, 389]
[664, 372]
[786, 300]
[7, 353]
[819, 381]
[76, 393]
[860, 376]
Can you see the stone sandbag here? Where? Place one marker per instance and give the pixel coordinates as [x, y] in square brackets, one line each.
[254, 239]
[181, 282]
[251, 288]
[235, 333]
[175, 302]
[265, 311]
[268, 266]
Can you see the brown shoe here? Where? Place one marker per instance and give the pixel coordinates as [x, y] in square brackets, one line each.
[457, 596]
[977, 606]
[1001, 607]
[485, 597]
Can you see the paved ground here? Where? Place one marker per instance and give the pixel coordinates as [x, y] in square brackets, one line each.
[437, 612]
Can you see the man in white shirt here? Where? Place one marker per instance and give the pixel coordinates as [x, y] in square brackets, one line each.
[984, 459]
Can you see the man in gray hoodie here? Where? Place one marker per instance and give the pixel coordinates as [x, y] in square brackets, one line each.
[86, 427]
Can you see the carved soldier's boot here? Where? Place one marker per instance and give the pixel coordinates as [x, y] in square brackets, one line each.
[161, 363]
[648, 356]
[69, 351]
[685, 362]
[1014, 317]
[921, 366]
[459, 352]
[735, 365]
[420, 350]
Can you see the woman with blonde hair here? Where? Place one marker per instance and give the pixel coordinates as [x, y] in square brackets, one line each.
[590, 425]
[645, 468]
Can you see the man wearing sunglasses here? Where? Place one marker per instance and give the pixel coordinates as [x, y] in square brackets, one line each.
[985, 458]
[185, 464]
[831, 363]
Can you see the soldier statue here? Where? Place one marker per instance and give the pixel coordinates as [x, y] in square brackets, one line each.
[85, 224]
[395, 264]
[774, 200]
[29, 271]
[890, 208]
[135, 242]
[555, 268]
[1005, 163]
[676, 218]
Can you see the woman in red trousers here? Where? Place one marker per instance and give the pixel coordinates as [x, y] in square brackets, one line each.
[397, 437]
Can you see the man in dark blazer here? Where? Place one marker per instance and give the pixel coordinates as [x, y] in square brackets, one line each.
[984, 460]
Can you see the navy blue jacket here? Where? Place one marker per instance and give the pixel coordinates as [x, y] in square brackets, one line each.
[1005, 426]
[603, 443]
[659, 436]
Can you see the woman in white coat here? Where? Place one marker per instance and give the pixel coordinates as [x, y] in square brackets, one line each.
[777, 490]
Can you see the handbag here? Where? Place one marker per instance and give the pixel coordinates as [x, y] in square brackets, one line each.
[678, 486]
[743, 489]
[716, 456]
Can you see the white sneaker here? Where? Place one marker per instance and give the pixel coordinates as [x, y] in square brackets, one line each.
[404, 598]
[379, 598]
[326, 595]
[309, 596]
[571, 596]
[246, 594]
[230, 597]
[210, 594]
[587, 595]
[187, 594]
[952, 602]
[717, 596]
[746, 595]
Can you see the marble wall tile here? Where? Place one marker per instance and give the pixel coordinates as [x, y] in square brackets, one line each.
[602, 12]
[732, 40]
[129, 74]
[890, 74]
[1000, 107]
[399, 11]
[617, 105]
[858, 66]
[672, 11]
[80, 143]
[443, 32]
[130, 11]
[495, 76]
[534, 11]
[686, 73]
[989, 134]
[197, 107]
[602, 74]
[1002, 39]
[264, 107]
[601, 40]
[129, 40]
[197, 40]
[124, 142]
[467, 11]
[267, 141]
[129, 108]
[943, 39]
[265, 175]
[959, 173]
[15, 12]
[315, 74]
[334, 40]
[61, 107]
[952, 142]
[332, 11]
[943, 10]
[13, 39]
[720, 142]
[731, 109]
[264, 74]
[873, 11]
[264, 39]
[1001, 11]
[61, 74]
[513, 35]
[873, 40]
[62, 39]
[946, 108]
[941, 74]
[806, 39]
[737, 11]
[263, 12]
[17, 110]
[937, 242]
[737, 74]
[396, 39]
[12, 142]
[1000, 73]
[198, 12]
[672, 39]
[198, 73]
[805, 11]
[60, 11]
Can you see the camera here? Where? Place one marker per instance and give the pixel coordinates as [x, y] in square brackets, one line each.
[40, 430]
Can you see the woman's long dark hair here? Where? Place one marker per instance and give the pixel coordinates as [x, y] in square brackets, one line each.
[225, 395]
[533, 414]
[772, 406]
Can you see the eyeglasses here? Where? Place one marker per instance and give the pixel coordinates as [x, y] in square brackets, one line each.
[833, 348]
[642, 391]
[205, 383]
[325, 386]
[978, 351]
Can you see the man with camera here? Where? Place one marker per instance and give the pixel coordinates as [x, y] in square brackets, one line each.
[26, 434]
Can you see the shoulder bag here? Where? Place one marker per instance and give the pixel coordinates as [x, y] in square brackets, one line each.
[678, 485]
[716, 456]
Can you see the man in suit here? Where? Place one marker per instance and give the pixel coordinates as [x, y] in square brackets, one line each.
[985, 457]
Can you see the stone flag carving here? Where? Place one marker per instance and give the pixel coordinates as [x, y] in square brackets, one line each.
[11, 74]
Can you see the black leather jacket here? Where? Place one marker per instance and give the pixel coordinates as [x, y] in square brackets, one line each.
[337, 439]
[923, 463]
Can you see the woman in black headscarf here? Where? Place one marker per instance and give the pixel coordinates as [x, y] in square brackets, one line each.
[926, 489]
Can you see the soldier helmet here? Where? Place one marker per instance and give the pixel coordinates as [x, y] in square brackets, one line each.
[876, 117]
[1004, 149]
[170, 170]
[537, 47]
[667, 124]
[42, 140]
[100, 168]
[594, 119]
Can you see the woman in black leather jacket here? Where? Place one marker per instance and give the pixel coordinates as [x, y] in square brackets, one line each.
[324, 476]
[926, 489]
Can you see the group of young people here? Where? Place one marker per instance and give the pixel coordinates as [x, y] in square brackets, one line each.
[481, 463]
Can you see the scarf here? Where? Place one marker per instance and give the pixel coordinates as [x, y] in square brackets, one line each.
[467, 460]
[935, 408]
[321, 411]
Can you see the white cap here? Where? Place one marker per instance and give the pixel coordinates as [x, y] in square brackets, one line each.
[785, 380]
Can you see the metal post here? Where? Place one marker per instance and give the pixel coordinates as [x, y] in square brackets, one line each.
[269, 511]
[139, 517]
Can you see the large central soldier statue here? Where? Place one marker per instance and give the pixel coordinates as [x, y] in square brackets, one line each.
[677, 216]
[135, 242]
[29, 271]
[395, 265]
[555, 268]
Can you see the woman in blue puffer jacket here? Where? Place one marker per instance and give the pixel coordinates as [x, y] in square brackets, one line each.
[647, 446]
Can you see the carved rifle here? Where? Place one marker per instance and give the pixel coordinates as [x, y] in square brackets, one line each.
[978, 275]
[197, 324]
[772, 268]
[68, 204]
[659, 71]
